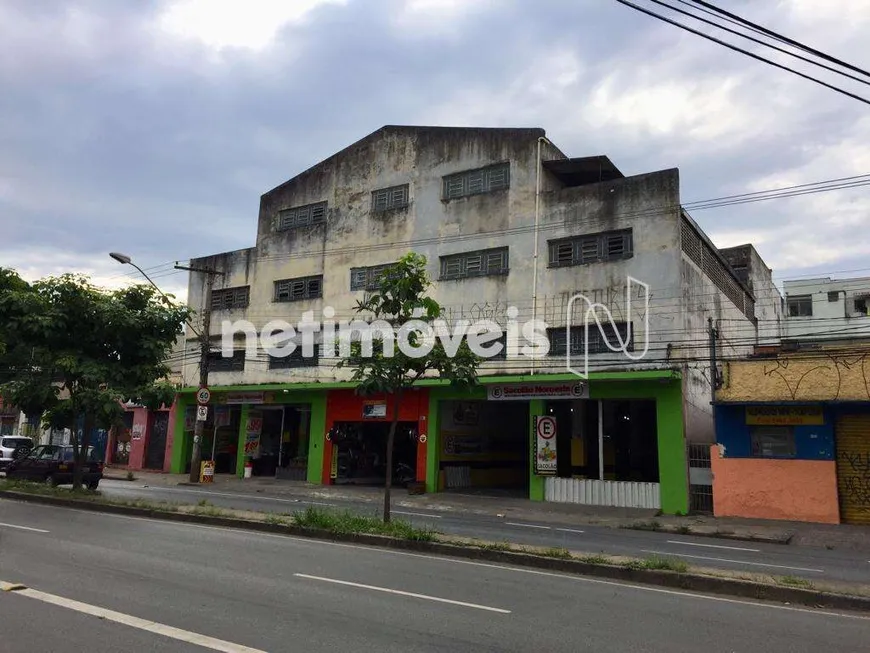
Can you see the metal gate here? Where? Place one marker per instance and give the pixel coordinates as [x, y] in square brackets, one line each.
[155, 451]
[853, 468]
[700, 478]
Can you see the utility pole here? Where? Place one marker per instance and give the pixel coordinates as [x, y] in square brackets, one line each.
[204, 352]
[714, 373]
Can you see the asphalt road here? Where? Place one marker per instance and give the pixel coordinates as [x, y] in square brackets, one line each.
[171, 585]
[706, 552]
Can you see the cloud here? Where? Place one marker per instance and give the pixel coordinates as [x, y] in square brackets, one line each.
[153, 127]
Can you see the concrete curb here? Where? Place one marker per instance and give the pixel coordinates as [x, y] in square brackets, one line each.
[782, 539]
[682, 581]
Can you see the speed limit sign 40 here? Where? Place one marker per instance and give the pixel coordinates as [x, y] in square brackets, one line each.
[202, 396]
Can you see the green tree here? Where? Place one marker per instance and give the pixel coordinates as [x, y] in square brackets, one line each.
[399, 300]
[90, 349]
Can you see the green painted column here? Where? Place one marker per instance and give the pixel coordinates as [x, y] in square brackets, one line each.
[536, 483]
[433, 445]
[672, 450]
[179, 439]
[316, 439]
[240, 454]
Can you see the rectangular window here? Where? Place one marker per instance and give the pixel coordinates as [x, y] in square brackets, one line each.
[368, 278]
[773, 442]
[800, 306]
[475, 182]
[591, 248]
[616, 333]
[861, 305]
[294, 360]
[481, 263]
[218, 363]
[228, 298]
[395, 197]
[834, 296]
[302, 216]
[294, 290]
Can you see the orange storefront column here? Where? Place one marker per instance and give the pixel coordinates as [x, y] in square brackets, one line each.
[766, 488]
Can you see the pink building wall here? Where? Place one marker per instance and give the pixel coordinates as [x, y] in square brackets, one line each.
[763, 488]
[141, 434]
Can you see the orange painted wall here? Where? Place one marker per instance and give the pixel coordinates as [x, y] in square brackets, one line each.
[797, 490]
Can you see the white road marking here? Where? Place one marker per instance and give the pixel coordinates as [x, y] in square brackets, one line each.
[386, 590]
[511, 523]
[135, 622]
[569, 530]
[416, 514]
[25, 528]
[739, 562]
[714, 546]
[456, 561]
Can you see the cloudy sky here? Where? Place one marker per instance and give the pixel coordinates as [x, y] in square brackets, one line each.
[152, 127]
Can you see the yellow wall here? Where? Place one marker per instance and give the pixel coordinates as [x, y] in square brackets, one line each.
[807, 376]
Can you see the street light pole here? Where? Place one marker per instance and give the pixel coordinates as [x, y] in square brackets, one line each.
[204, 352]
[204, 347]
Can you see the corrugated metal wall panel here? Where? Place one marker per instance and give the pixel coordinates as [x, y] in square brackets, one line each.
[853, 468]
[603, 493]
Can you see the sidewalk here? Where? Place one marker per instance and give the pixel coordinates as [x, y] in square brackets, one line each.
[795, 533]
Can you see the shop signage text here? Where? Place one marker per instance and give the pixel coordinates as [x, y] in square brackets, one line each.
[245, 397]
[545, 445]
[374, 409]
[521, 391]
[785, 415]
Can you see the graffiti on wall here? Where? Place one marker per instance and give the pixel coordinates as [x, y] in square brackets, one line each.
[812, 376]
[856, 480]
[829, 368]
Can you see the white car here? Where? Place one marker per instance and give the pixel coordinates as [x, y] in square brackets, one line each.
[9, 444]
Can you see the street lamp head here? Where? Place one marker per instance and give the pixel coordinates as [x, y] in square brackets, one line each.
[121, 258]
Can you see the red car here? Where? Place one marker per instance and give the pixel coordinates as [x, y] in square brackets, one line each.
[54, 464]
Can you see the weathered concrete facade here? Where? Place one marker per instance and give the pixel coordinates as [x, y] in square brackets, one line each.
[548, 197]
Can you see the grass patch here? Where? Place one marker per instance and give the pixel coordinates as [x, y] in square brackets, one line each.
[131, 476]
[46, 490]
[652, 525]
[277, 520]
[208, 510]
[794, 581]
[657, 563]
[495, 546]
[684, 530]
[595, 560]
[557, 552]
[348, 522]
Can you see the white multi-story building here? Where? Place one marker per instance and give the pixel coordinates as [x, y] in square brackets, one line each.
[511, 228]
[827, 309]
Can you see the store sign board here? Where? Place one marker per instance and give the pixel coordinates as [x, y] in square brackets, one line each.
[374, 409]
[784, 416]
[545, 445]
[244, 397]
[526, 391]
[252, 433]
[138, 430]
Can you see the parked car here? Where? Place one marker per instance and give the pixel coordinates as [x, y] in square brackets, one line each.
[54, 464]
[12, 447]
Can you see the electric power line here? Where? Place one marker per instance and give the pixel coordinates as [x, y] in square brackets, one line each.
[760, 42]
[784, 39]
[742, 51]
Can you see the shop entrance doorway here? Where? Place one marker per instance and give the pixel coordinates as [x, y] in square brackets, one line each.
[484, 446]
[360, 451]
[609, 440]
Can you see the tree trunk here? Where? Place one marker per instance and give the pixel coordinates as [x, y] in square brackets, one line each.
[80, 452]
[391, 439]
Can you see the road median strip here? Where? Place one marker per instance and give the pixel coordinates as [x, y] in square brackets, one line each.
[353, 528]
